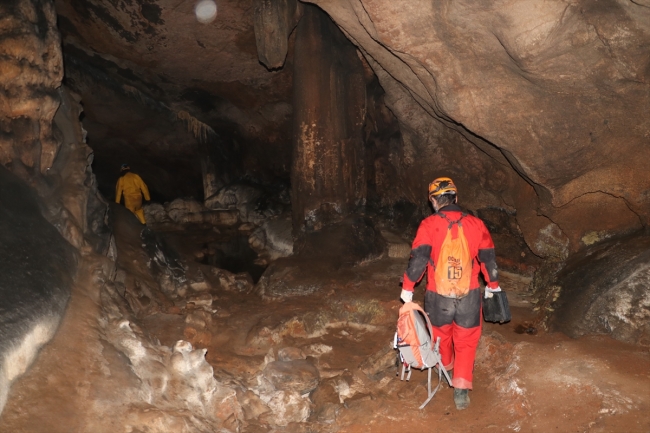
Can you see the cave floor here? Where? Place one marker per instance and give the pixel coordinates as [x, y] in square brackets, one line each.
[546, 382]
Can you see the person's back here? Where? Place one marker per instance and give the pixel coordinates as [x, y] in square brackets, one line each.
[455, 309]
[133, 188]
[132, 184]
[433, 231]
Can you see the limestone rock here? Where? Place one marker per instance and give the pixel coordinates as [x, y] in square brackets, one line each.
[38, 265]
[380, 361]
[559, 146]
[327, 402]
[155, 213]
[241, 282]
[252, 405]
[179, 209]
[199, 319]
[241, 197]
[285, 280]
[273, 238]
[287, 407]
[177, 379]
[165, 263]
[316, 350]
[141, 299]
[604, 291]
[203, 300]
[290, 354]
[197, 281]
[298, 376]
[274, 22]
[328, 166]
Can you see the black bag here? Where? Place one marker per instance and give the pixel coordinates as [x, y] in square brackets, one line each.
[496, 308]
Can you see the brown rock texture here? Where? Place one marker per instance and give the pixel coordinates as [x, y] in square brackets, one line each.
[329, 107]
[31, 69]
[274, 22]
[538, 106]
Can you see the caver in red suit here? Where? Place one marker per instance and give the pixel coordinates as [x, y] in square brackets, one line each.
[455, 319]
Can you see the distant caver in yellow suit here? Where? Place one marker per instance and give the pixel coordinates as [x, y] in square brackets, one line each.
[133, 188]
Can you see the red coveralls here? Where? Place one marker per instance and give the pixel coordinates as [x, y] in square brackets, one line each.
[457, 321]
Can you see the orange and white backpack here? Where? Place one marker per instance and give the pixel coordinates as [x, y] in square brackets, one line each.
[413, 339]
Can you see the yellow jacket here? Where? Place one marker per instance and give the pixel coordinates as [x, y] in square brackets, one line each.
[130, 184]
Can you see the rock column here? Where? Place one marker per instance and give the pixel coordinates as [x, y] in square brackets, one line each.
[329, 107]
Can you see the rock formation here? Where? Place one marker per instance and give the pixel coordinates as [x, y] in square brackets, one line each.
[304, 130]
[329, 105]
[50, 204]
[529, 107]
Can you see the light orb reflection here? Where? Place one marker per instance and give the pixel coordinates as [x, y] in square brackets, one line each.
[206, 11]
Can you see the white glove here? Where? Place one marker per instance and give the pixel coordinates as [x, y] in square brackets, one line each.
[489, 292]
[406, 296]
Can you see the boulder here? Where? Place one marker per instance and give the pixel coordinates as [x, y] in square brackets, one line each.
[298, 376]
[287, 407]
[252, 405]
[179, 209]
[290, 354]
[604, 290]
[241, 197]
[382, 360]
[327, 402]
[241, 282]
[188, 211]
[273, 239]
[155, 213]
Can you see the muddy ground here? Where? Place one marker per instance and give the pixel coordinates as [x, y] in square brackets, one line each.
[530, 381]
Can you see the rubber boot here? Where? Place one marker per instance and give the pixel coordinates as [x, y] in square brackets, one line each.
[461, 398]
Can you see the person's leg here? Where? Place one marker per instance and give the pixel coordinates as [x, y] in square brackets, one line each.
[134, 204]
[441, 313]
[466, 332]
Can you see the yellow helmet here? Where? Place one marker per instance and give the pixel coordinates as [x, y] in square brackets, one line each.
[442, 185]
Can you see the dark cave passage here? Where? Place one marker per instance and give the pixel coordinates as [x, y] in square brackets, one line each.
[288, 149]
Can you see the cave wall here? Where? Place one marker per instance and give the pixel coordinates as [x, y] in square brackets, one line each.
[51, 210]
[41, 139]
[534, 107]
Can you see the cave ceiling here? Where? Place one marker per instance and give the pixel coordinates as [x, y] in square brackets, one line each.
[539, 108]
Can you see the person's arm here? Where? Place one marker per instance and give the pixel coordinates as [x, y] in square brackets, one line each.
[144, 189]
[488, 258]
[420, 256]
[118, 190]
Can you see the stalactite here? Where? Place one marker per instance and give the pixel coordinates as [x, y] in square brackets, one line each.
[200, 130]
